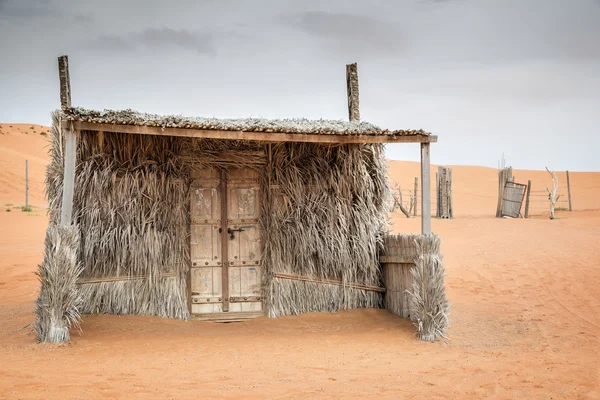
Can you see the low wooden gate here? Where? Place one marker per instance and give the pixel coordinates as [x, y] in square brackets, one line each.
[512, 199]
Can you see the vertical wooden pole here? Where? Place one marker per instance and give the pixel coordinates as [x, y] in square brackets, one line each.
[500, 191]
[65, 82]
[425, 189]
[450, 204]
[224, 242]
[527, 199]
[26, 183]
[438, 214]
[352, 88]
[569, 191]
[415, 196]
[66, 217]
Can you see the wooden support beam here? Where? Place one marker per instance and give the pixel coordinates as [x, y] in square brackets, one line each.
[252, 136]
[70, 137]
[66, 212]
[569, 191]
[352, 89]
[425, 189]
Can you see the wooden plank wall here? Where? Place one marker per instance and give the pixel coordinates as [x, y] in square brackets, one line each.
[397, 263]
[444, 192]
[398, 282]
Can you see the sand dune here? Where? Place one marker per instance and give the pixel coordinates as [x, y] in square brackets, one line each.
[525, 315]
[475, 189]
[20, 142]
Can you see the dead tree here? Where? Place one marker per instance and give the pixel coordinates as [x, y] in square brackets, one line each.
[398, 200]
[552, 193]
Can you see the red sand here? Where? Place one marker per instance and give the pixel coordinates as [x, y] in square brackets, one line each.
[525, 318]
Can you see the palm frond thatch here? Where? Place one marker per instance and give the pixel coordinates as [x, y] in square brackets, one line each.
[324, 215]
[429, 307]
[298, 125]
[57, 307]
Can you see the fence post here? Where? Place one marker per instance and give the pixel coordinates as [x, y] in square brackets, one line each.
[450, 205]
[569, 191]
[26, 183]
[527, 199]
[415, 196]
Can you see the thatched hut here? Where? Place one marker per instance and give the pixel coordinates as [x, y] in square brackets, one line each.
[218, 218]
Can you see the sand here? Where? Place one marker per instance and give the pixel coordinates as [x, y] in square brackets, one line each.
[525, 318]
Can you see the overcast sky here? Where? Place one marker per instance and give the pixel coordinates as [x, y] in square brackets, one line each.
[517, 77]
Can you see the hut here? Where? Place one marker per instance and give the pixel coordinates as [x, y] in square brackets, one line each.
[217, 219]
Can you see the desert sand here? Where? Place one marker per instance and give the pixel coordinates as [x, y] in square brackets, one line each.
[525, 317]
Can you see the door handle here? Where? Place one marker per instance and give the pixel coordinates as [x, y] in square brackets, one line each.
[231, 232]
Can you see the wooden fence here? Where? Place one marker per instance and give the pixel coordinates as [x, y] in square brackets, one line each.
[408, 200]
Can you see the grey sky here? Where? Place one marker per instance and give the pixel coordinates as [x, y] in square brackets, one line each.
[520, 77]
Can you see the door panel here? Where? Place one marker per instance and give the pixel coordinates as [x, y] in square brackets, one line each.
[244, 249]
[205, 242]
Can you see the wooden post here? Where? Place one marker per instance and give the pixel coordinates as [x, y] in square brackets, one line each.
[65, 82]
[425, 189]
[26, 183]
[569, 191]
[66, 213]
[352, 88]
[505, 175]
[527, 199]
[450, 204]
[415, 196]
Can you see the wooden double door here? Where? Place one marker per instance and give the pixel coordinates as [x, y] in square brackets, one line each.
[226, 278]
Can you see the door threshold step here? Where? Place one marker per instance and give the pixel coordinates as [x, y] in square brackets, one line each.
[227, 316]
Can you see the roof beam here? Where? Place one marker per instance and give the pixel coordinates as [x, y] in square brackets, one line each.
[251, 136]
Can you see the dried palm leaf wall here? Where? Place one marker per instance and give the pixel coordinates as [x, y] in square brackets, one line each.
[324, 209]
[325, 212]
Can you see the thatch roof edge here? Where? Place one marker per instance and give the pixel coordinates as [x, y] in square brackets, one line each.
[303, 126]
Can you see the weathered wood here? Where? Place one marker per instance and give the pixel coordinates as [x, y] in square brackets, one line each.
[227, 317]
[425, 189]
[415, 196]
[224, 241]
[527, 199]
[65, 82]
[26, 183]
[552, 195]
[450, 203]
[569, 191]
[504, 175]
[398, 281]
[245, 249]
[244, 299]
[252, 136]
[123, 278]
[66, 212]
[70, 135]
[397, 259]
[404, 210]
[513, 198]
[438, 209]
[329, 282]
[352, 90]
